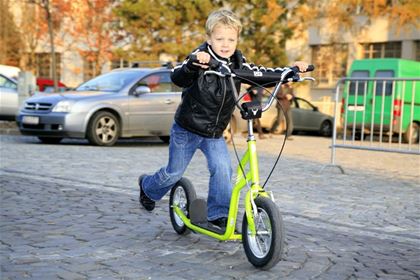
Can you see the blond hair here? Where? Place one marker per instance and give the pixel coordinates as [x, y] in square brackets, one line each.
[225, 17]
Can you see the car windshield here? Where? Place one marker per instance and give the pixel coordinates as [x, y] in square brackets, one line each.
[110, 82]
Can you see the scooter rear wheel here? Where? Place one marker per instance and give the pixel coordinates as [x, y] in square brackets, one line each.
[182, 194]
[265, 249]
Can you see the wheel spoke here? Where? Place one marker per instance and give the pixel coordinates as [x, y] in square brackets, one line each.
[261, 242]
[112, 133]
[101, 123]
[110, 123]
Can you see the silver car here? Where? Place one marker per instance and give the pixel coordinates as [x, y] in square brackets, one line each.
[307, 117]
[8, 98]
[120, 104]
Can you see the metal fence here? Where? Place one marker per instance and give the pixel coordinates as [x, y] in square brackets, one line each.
[378, 114]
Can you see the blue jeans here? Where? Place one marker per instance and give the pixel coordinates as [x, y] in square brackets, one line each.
[182, 147]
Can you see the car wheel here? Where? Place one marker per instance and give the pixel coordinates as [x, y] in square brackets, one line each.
[326, 129]
[103, 129]
[413, 131]
[50, 140]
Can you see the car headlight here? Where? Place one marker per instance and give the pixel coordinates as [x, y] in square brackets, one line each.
[63, 106]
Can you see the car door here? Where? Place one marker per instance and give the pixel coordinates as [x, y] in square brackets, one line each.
[152, 113]
[8, 98]
[305, 115]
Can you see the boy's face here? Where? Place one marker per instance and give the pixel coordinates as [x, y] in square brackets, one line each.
[223, 40]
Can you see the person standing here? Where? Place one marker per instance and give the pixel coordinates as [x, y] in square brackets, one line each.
[284, 112]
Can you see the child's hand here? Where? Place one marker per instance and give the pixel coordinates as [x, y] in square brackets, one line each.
[203, 58]
[303, 66]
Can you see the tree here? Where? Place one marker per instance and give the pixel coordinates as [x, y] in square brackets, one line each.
[176, 27]
[33, 28]
[91, 31]
[265, 30]
[166, 26]
[46, 5]
[344, 19]
[344, 14]
[10, 40]
[51, 11]
[81, 25]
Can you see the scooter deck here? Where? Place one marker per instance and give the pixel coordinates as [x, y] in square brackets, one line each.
[210, 227]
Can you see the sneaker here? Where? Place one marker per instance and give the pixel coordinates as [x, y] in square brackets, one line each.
[147, 203]
[220, 223]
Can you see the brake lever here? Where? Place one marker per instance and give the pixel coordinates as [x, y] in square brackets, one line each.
[306, 79]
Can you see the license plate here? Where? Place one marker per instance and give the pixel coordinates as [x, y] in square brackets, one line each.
[356, 108]
[30, 120]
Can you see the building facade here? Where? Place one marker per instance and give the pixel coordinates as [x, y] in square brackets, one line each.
[333, 52]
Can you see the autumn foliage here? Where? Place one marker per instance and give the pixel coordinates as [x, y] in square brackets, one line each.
[139, 30]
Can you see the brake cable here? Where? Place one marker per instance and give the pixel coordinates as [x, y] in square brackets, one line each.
[284, 140]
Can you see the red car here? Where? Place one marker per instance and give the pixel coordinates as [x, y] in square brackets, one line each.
[46, 85]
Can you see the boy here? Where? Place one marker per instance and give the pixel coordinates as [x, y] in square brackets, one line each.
[205, 111]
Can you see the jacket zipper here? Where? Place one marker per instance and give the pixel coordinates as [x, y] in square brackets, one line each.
[221, 106]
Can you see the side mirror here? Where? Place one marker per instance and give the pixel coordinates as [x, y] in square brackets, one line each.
[316, 109]
[141, 90]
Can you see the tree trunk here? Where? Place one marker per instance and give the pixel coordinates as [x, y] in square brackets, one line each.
[50, 31]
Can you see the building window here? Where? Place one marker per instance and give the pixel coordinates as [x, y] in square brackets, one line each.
[417, 46]
[330, 62]
[89, 69]
[43, 64]
[119, 63]
[382, 50]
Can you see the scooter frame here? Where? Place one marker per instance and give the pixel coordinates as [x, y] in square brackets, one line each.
[244, 178]
[250, 157]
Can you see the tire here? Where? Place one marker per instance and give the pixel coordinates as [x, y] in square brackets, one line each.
[50, 140]
[414, 130]
[103, 129]
[265, 249]
[165, 139]
[182, 194]
[326, 129]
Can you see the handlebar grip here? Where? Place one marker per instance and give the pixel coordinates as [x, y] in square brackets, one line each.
[310, 68]
[213, 63]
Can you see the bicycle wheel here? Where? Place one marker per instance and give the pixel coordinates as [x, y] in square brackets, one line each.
[265, 249]
[182, 194]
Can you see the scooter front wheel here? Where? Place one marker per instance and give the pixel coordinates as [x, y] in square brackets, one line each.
[265, 249]
[182, 194]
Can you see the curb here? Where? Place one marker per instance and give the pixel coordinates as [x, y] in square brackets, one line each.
[9, 128]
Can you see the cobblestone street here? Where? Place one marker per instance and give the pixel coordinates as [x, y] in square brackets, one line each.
[71, 211]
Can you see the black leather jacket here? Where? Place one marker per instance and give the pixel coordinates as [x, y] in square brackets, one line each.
[207, 100]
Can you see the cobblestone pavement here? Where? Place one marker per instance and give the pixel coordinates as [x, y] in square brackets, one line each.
[70, 211]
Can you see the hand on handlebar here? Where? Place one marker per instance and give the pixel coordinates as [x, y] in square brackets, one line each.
[302, 66]
[202, 59]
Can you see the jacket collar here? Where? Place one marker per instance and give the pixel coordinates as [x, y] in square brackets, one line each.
[215, 56]
[235, 59]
